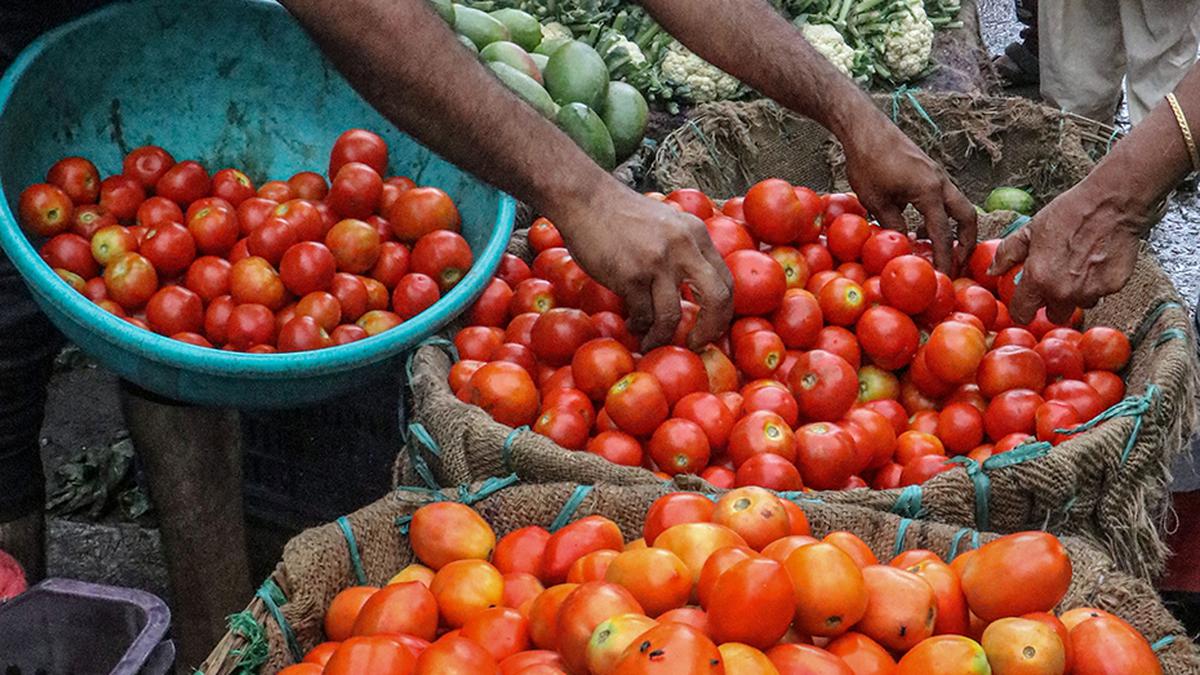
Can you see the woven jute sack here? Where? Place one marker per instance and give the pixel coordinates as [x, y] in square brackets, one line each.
[1108, 484]
[371, 545]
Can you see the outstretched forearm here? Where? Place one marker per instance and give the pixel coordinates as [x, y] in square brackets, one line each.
[405, 61]
[751, 41]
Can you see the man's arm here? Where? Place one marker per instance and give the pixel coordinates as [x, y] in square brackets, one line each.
[751, 41]
[407, 63]
[1083, 245]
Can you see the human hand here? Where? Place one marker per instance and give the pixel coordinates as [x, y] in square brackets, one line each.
[888, 172]
[1079, 248]
[644, 251]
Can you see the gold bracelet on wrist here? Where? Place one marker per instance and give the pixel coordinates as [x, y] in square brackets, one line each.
[1184, 129]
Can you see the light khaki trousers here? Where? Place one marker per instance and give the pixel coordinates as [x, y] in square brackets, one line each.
[1087, 47]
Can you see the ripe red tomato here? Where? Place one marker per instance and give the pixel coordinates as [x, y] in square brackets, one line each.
[798, 319]
[960, 427]
[1105, 349]
[840, 342]
[250, 325]
[1054, 415]
[598, 364]
[184, 183]
[909, 284]
[212, 222]
[414, 294]
[773, 212]
[842, 301]
[351, 295]
[825, 386]
[233, 186]
[769, 471]
[758, 354]
[303, 333]
[692, 201]
[422, 210]
[637, 404]
[888, 336]
[175, 309]
[706, 410]
[491, 309]
[1109, 385]
[679, 446]
[942, 304]
[617, 447]
[1018, 337]
[818, 258]
[758, 282]
[77, 177]
[818, 281]
[355, 190]
[170, 248]
[355, 246]
[977, 301]
[728, 235]
[565, 427]
[392, 264]
[882, 247]
[954, 351]
[522, 356]
[795, 267]
[322, 307]
[1086, 401]
[359, 145]
[156, 211]
[478, 342]
[121, 196]
[72, 252]
[147, 165]
[512, 270]
[543, 235]
[506, 392]
[533, 295]
[377, 321]
[87, 220]
[922, 468]
[761, 432]
[272, 239]
[873, 435]
[253, 280]
[208, 277]
[1012, 412]
[825, 455]
[1062, 358]
[559, 333]
[216, 319]
[277, 191]
[443, 255]
[253, 213]
[770, 395]
[846, 235]
[1010, 367]
[304, 217]
[677, 370]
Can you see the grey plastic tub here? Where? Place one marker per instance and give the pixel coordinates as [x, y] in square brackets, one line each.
[62, 626]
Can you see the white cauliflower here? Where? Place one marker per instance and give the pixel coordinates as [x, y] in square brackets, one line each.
[554, 30]
[695, 78]
[827, 40]
[908, 41]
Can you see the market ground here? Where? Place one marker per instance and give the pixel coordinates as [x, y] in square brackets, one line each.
[83, 410]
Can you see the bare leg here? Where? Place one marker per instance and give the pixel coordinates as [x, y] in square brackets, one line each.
[192, 460]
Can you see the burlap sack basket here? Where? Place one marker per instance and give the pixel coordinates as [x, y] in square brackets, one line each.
[371, 545]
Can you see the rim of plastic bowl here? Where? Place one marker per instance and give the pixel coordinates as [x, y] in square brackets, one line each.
[162, 349]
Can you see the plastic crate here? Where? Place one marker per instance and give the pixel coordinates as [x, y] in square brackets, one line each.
[65, 626]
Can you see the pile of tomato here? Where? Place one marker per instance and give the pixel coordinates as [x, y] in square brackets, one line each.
[739, 586]
[851, 362]
[293, 265]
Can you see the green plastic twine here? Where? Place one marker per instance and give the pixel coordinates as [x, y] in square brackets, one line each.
[794, 496]
[978, 473]
[956, 541]
[1168, 335]
[1152, 318]
[506, 449]
[272, 597]
[910, 94]
[1162, 644]
[1111, 139]
[343, 524]
[908, 504]
[901, 533]
[486, 489]
[1132, 406]
[1017, 223]
[254, 654]
[568, 509]
[418, 431]
[431, 341]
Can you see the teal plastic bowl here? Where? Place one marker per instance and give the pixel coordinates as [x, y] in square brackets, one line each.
[230, 83]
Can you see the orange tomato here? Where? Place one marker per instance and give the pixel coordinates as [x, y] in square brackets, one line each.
[743, 659]
[794, 659]
[502, 631]
[951, 603]
[321, 653]
[671, 649]
[521, 550]
[754, 513]
[454, 655]
[465, 587]
[443, 532]
[797, 521]
[691, 616]
[591, 567]
[852, 546]
[408, 608]
[750, 603]
[520, 588]
[945, 654]
[608, 642]
[377, 654]
[518, 664]
[584, 609]
[909, 558]
[344, 609]
[658, 579]
[1064, 635]
[413, 572]
[694, 542]
[1023, 647]
[780, 549]
[673, 509]
[828, 589]
[1035, 571]
[302, 669]
[901, 608]
[864, 655]
[954, 351]
[591, 533]
[1106, 645]
[715, 566]
[543, 615]
[1073, 617]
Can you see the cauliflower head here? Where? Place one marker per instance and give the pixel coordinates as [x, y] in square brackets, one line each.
[908, 41]
[553, 30]
[696, 79]
[830, 43]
